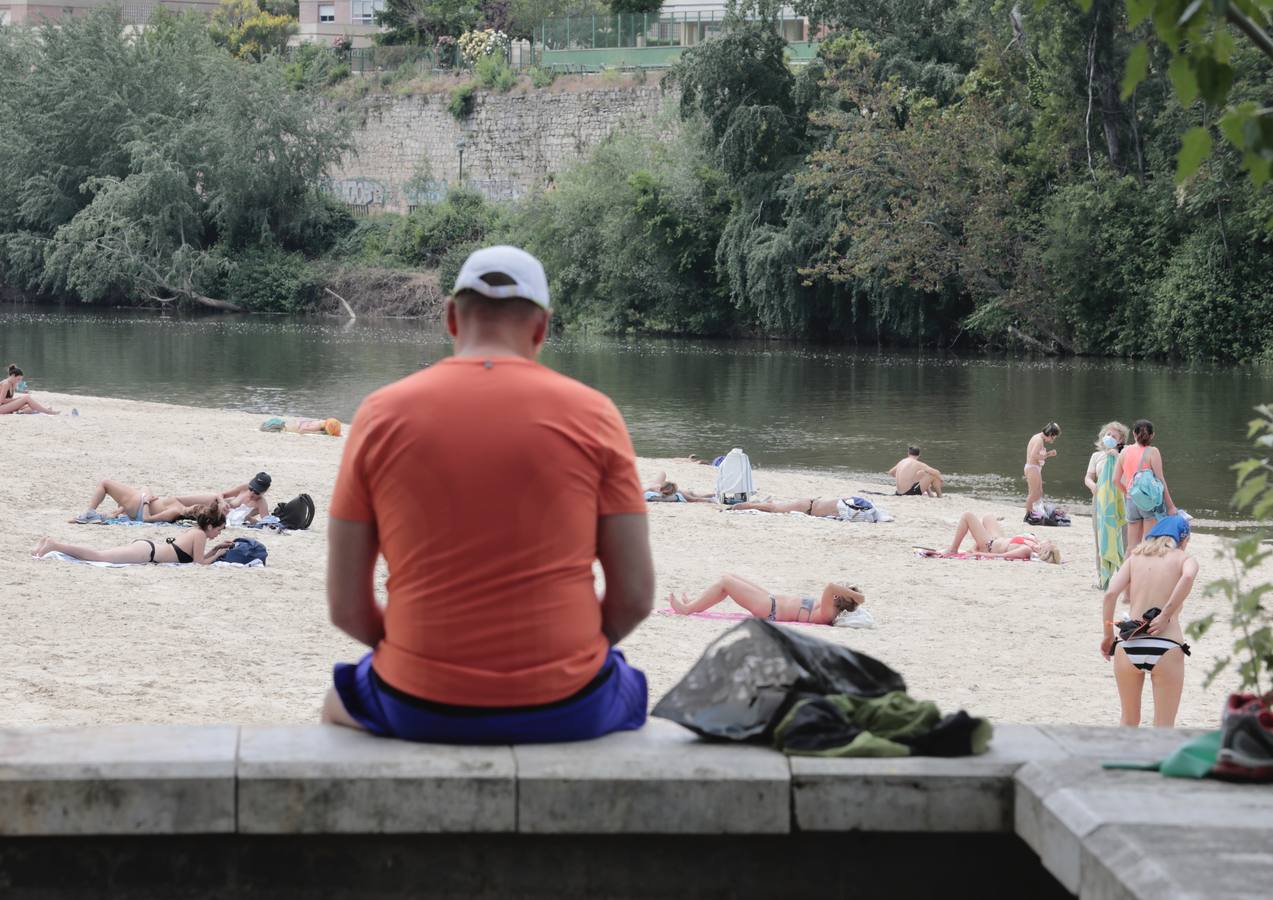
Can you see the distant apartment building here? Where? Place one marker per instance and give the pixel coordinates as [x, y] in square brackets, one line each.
[686, 21]
[322, 21]
[35, 12]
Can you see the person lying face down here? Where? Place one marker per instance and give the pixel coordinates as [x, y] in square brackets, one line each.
[191, 546]
[141, 505]
[916, 478]
[762, 604]
[989, 540]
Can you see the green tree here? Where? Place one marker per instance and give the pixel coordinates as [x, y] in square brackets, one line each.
[424, 21]
[136, 166]
[248, 31]
[635, 7]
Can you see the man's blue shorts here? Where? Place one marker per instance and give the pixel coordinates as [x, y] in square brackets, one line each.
[615, 700]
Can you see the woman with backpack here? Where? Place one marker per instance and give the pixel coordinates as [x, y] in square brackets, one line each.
[1140, 476]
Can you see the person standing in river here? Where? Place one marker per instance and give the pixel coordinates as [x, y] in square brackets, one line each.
[1036, 454]
[1109, 515]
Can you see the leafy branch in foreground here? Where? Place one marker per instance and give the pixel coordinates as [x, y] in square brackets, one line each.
[1250, 619]
[1198, 34]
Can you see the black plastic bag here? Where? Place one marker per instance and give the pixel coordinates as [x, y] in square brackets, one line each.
[745, 682]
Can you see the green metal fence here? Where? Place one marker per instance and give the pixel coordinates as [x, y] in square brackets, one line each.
[387, 58]
[639, 30]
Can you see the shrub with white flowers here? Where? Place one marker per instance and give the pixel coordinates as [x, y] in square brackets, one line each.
[477, 44]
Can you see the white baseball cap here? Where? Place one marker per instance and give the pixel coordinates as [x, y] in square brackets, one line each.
[529, 280]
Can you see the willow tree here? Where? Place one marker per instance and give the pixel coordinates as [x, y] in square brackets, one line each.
[138, 166]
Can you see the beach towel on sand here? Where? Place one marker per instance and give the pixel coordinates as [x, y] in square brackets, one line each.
[62, 557]
[723, 617]
[929, 553]
[858, 618]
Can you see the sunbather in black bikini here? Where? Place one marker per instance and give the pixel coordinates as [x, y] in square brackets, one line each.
[774, 607]
[191, 546]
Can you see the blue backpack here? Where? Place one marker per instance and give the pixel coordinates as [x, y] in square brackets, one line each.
[1146, 490]
[245, 550]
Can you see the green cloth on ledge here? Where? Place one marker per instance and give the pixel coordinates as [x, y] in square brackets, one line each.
[840, 725]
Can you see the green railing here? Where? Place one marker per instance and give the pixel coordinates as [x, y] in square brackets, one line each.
[642, 30]
[394, 56]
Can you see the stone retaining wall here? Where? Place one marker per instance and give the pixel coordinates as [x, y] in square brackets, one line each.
[405, 148]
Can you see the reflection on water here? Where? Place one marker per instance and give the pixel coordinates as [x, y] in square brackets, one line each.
[793, 407]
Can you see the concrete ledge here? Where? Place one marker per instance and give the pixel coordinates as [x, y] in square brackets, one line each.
[1060, 806]
[129, 779]
[1100, 833]
[922, 794]
[659, 780]
[327, 780]
[1123, 862]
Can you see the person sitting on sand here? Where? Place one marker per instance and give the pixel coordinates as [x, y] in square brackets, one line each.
[989, 540]
[191, 546]
[13, 402]
[915, 478]
[140, 505]
[1158, 572]
[302, 426]
[774, 607]
[660, 490]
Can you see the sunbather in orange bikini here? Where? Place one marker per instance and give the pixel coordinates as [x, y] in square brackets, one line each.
[989, 540]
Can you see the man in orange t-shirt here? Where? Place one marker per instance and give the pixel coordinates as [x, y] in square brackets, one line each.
[490, 484]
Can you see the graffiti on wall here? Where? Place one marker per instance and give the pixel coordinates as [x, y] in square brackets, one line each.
[360, 191]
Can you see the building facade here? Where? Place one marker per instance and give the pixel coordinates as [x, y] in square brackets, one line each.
[36, 12]
[322, 21]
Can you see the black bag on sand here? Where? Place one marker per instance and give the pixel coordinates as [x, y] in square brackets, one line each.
[296, 514]
[745, 682]
[1052, 517]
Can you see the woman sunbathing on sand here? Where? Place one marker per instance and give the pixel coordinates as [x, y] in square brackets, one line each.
[660, 490]
[13, 402]
[140, 505]
[774, 607]
[190, 546]
[989, 540]
[827, 507]
[302, 426]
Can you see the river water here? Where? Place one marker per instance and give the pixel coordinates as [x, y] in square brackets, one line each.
[850, 411]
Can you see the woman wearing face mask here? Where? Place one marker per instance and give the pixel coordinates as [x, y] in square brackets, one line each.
[1109, 514]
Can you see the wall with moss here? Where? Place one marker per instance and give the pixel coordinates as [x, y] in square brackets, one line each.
[406, 146]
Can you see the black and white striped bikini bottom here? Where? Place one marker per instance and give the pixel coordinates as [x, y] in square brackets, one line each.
[1144, 651]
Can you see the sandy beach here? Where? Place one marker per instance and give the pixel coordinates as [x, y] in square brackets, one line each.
[1012, 641]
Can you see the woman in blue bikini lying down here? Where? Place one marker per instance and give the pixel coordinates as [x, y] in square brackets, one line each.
[774, 607]
[1157, 576]
[190, 546]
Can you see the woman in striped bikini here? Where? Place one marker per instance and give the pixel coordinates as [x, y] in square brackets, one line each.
[1157, 577]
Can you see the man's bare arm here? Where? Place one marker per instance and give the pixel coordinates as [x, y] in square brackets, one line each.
[623, 547]
[352, 548]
